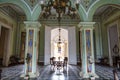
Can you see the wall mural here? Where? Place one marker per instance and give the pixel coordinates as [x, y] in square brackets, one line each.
[88, 50]
[30, 50]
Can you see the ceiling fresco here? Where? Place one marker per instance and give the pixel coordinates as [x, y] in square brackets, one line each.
[85, 8]
[85, 3]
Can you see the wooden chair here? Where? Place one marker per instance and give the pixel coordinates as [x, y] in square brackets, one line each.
[59, 64]
[52, 63]
[65, 62]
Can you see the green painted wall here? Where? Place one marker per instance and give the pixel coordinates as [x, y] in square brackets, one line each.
[7, 19]
[98, 41]
[104, 25]
[33, 15]
[42, 44]
[97, 5]
[77, 44]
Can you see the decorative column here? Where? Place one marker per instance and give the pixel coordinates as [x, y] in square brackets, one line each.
[87, 51]
[31, 49]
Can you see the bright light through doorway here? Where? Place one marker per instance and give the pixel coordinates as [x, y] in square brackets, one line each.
[58, 53]
[63, 52]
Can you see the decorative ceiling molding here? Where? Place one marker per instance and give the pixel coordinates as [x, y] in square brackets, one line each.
[7, 10]
[86, 5]
[105, 13]
[31, 7]
[32, 3]
[109, 12]
[65, 21]
[14, 12]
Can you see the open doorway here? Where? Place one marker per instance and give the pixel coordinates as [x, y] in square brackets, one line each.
[62, 49]
[4, 46]
[113, 40]
[68, 46]
[22, 49]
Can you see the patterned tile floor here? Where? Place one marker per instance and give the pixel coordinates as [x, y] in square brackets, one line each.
[13, 73]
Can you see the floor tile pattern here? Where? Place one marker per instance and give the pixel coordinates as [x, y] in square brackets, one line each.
[46, 73]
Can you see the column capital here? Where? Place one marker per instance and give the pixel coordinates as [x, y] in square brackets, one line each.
[86, 25]
[32, 24]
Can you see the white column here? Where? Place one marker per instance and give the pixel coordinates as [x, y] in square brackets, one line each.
[72, 46]
[32, 29]
[88, 63]
[52, 49]
[66, 51]
[84, 73]
[47, 48]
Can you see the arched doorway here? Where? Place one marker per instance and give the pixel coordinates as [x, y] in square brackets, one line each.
[106, 33]
[10, 20]
[55, 51]
[69, 46]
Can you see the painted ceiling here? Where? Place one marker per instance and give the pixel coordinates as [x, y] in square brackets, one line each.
[85, 3]
[87, 8]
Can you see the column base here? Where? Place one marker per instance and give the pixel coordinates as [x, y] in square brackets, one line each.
[93, 75]
[84, 75]
[30, 75]
[88, 75]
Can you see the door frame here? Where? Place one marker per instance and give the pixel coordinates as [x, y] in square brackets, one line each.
[8, 43]
[109, 44]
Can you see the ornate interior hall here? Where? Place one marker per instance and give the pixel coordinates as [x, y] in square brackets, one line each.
[59, 39]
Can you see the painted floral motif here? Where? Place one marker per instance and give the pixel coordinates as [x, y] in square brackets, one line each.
[88, 49]
[30, 43]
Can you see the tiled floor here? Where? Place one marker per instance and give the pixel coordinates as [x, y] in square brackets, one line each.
[72, 73]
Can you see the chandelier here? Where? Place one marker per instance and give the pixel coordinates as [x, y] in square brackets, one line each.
[61, 7]
[59, 42]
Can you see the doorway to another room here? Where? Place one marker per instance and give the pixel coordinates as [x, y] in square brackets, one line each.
[68, 44]
[4, 46]
[59, 43]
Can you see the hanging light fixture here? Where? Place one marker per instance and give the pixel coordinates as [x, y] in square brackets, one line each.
[59, 39]
[61, 7]
[59, 42]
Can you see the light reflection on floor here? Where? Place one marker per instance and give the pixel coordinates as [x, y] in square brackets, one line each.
[61, 74]
[46, 73]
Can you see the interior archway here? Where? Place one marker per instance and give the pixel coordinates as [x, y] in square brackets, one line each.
[55, 52]
[11, 17]
[100, 4]
[107, 24]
